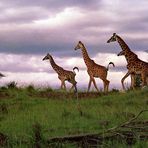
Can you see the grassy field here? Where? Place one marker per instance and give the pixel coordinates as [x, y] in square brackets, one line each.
[56, 113]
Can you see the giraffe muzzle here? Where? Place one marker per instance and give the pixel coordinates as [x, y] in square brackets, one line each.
[108, 41]
[44, 58]
[120, 53]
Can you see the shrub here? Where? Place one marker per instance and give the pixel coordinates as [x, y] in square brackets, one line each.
[30, 88]
[12, 85]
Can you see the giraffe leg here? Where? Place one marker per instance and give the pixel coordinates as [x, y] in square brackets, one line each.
[62, 82]
[73, 82]
[122, 81]
[76, 91]
[133, 81]
[143, 76]
[74, 86]
[89, 85]
[63, 86]
[106, 85]
[147, 81]
[71, 87]
[95, 84]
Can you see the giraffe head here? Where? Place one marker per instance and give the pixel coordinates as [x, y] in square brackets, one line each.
[47, 57]
[121, 53]
[79, 45]
[113, 38]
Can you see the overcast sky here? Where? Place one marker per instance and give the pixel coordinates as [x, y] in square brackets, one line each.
[31, 28]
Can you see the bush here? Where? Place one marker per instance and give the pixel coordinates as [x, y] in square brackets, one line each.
[12, 85]
[30, 88]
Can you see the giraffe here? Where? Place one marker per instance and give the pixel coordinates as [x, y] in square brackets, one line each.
[63, 75]
[134, 64]
[94, 70]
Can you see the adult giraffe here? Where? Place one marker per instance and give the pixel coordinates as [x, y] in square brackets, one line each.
[134, 64]
[93, 69]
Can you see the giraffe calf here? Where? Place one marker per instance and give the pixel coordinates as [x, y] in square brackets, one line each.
[63, 75]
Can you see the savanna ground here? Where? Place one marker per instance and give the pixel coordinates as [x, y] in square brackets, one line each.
[28, 115]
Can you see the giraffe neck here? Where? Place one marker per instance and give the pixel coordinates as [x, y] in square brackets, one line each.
[122, 44]
[86, 57]
[129, 55]
[54, 65]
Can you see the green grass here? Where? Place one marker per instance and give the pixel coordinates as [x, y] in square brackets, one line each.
[23, 108]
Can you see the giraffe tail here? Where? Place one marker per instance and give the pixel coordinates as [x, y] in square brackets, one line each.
[109, 64]
[75, 68]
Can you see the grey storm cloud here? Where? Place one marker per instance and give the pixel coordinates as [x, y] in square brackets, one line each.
[22, 15]
[94, 29]
[52, 4]
[29, 10]
[135, 24]
[29, 29]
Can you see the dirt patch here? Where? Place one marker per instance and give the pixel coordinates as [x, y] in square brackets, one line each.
[68, 95]
[4, 95]
[3, 139]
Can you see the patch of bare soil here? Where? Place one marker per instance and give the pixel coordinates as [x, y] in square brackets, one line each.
[68, 95]
[3, 139]
[3, 95]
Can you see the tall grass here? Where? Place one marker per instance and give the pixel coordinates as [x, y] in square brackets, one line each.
[23, 108]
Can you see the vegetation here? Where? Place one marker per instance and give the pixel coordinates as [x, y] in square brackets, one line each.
[138, 81]
[30, 116]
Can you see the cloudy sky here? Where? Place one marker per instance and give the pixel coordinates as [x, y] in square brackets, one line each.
[31, 28]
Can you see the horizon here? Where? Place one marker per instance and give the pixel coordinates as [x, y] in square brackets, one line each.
[31, 29]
